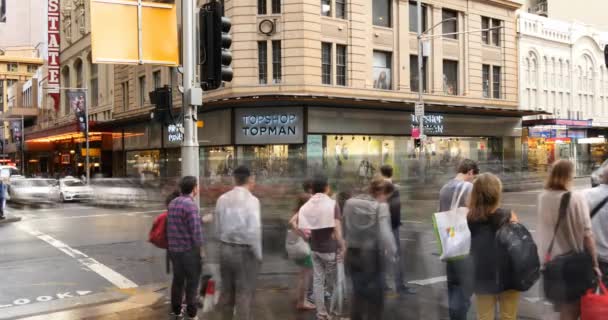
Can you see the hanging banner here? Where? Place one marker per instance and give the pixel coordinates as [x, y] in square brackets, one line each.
[78, 100]
[52, 79]
[16, 132]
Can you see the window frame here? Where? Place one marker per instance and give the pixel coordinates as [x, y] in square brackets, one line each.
[446, 25]
[389, 23]
[125, 95]
[340, 10]
[425, 20]
[341, 65]
[141, 85]
[12, 67]
[263, 62]
[275, 6]
[157, 79]
[446, 84]
[486, 78]
[495, 33]
[326, 63]
[485, 34]
[328, 13]
[414, 73]
[277, 69]
[262, 7]
[388, 57]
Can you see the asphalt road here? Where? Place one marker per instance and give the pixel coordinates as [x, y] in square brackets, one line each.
[71, 255]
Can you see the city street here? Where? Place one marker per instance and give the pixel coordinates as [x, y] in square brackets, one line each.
[74, 255]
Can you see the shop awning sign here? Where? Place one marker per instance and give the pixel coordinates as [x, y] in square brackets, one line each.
[269, 126]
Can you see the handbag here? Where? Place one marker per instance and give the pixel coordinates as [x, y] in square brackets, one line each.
[452, 230]
[594, 306]
[296, 247]
[566, 277]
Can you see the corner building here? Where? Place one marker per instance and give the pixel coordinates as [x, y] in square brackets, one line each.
[346, 71]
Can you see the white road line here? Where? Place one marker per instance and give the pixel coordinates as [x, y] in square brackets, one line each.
[33, 217]
[519, 205]
[426, 282]
[412, 221]
[112, 276]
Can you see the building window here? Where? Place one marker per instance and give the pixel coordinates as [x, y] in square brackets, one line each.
[341, 9]
[496, 77]
[32, 68]
[261, 6]
[93, 83]
[66, 83]
[12, 67]
[262, 62]
[142, 90]
[450, 77]
[125, 95]
[382, 13]
[485, 75]
[326, 63]
[450, 28]
[496, 28]
[326, 8]
[156, 78]
[79, 73]
[414, 17]
[341, 65]
[276, 6]
[276, 61]
[485, 33]
[383, 70]
[2, 11]
[414, 80]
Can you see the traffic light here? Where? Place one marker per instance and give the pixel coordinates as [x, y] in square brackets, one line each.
[215, 42]
[162, 99]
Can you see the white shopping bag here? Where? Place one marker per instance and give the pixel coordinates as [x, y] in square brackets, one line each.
[452, 230]
[339, 300]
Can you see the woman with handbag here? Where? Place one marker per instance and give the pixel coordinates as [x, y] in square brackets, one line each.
[492, 267]
[566, 244]
[305, 274]
[369, 238]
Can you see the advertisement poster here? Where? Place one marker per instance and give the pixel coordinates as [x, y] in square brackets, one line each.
[78, 102]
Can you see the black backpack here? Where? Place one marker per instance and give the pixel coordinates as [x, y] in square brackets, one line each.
[522, 255]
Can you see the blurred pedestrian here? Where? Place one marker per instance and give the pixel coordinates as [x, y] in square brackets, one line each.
[321, 215]
[305, 274]
[459, 271]
[239, 227]
[184, 234]
[597, 198]
[574, 234]
[394, 203]
[367, 229]
[492, 267]
[3, 194]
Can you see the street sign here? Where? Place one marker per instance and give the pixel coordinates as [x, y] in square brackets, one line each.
[419, 109]
[128, 32]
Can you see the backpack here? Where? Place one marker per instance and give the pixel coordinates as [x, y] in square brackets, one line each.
[158, 233]
[522, 255]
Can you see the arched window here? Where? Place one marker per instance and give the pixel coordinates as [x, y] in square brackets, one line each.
[65, 83]
[586, 88]
[533, 81]
[93, 83]
[79, 73]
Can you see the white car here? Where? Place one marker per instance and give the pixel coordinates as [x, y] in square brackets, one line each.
[117, 192]
[71, 189]
[34, 191]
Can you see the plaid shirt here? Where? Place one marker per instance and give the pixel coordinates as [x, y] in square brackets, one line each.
[184, 230]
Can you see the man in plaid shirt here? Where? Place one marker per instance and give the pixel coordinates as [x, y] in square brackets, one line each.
[184, 233]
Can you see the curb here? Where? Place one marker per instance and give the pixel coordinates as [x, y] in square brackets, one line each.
[10, 220]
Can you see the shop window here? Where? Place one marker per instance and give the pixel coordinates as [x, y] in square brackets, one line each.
[414, 80]
[142, 90]
[326, 8]
[142, 164]
[382, 11]
[276, 6]
[276, 61]
[157, 80]
[261, 6]
[262, 62]
[496, 82]
[414, 17]
[326, 73]
[450, 77]
[485, 71]
[450, 27]
[341, 9]
[383, 70]
[341, 65]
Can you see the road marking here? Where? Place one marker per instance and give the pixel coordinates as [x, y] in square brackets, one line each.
[412, 221]
[60, 296]
[519, 205]
[33, 217]
[533, 300]
[112, 276]
[426, 282]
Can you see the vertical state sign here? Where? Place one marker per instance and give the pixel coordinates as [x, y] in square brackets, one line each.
[53, 52]
[78, 102]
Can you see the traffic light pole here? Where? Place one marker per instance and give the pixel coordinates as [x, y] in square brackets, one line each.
[190, 152]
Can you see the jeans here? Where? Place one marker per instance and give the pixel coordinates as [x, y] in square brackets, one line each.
[187, 268]
[324, 274]
[399, 261]
[365, 269]
[604, 269]
[507, 300]
[459, 275]
[239, 270]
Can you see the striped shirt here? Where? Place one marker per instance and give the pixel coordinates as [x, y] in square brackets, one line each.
[184, 231]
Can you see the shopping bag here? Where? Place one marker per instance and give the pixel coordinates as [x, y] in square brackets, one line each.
[339, 305]
[296, 247]
[452, 230]
[594, 306]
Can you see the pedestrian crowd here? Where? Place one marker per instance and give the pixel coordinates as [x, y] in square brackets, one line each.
[347, 246]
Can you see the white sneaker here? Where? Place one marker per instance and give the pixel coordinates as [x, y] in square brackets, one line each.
[173, 316]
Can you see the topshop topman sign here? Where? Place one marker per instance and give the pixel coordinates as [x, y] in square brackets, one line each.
[269, 126]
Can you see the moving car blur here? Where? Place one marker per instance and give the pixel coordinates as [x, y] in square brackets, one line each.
[33, 191]
[72, 189]
[118, 192]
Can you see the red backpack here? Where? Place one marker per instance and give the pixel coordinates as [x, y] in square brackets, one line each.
[158, 233]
